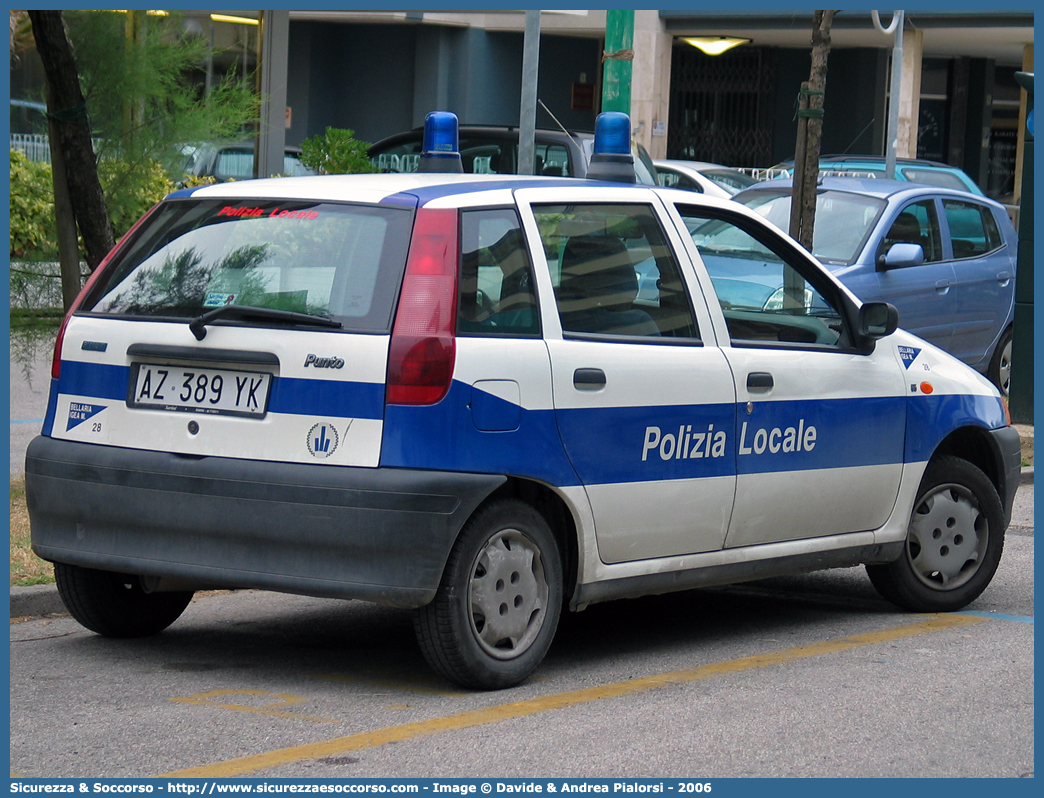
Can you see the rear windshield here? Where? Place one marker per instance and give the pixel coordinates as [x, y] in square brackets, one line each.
[336, 261]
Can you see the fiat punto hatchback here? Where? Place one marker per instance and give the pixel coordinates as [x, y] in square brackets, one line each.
[490, 399]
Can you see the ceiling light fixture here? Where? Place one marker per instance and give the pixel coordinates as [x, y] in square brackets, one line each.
[236, 20]
[714, 45]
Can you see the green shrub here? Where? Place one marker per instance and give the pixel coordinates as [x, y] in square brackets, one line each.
[130, 190]
[32, 210]
[337, 152]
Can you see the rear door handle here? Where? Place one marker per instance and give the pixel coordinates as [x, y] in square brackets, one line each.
[759, 381]
[588, 379]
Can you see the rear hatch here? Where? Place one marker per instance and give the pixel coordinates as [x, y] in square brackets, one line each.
[238, 327]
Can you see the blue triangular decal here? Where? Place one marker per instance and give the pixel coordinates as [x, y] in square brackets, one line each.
[79, 412]
[908, 354]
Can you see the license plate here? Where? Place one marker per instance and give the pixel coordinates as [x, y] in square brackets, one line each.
[200, 390]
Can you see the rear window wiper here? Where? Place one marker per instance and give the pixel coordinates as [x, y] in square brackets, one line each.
[198, 324]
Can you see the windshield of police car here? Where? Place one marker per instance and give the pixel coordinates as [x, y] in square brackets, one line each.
[342, 262]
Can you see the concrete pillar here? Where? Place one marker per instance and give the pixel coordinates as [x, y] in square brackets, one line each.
[651, 81]
[910, 94]
[275, 37]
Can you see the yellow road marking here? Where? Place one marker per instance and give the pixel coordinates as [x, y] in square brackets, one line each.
[390, 684]
[284, 700]
[518, 709]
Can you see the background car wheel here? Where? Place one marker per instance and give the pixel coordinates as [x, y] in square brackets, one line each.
[497, 608]
[954, 543]
[1000, 366]
[114, 605]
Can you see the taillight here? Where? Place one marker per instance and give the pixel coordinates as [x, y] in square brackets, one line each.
[56, 358]
[423, 348]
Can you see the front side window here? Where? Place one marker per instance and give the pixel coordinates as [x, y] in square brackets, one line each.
[764, 297]
[341, 262]
[614, 272]
[973, 230]
[496, 278]
[917, 223]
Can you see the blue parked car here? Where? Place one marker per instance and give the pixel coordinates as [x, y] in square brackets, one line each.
[946, 259]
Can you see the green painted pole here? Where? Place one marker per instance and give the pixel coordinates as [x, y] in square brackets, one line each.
[616, 69]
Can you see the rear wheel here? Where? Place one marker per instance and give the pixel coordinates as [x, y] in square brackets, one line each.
[1000, 366]
[497, 608]
[954, 542]
[114, 605]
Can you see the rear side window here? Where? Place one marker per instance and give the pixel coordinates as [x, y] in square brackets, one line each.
[343, 262]
[973, 230]
[496, 278]
[614, 272]
[934, 177]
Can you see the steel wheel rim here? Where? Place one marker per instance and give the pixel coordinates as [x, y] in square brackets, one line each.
[948, 537]
[507, 595]
[1004, 368]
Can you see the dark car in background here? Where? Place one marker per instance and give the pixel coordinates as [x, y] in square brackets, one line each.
[235, 161]
[492, 149]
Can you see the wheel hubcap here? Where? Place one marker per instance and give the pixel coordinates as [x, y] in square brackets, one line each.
[1004, 368]
[507, 595]
[948, 536]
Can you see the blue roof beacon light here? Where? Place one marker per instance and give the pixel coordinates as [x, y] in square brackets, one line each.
[440, 153]
[612, 158]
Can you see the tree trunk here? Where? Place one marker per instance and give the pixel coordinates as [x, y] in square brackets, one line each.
[66, 107]
[810, 117]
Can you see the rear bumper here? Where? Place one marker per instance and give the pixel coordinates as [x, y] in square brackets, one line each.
[376, 534]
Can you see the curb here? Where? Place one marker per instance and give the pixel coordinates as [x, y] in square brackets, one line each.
[36, 600]
[28, 602]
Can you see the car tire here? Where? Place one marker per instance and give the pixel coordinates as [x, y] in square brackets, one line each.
[1000, 364]
[114, 605]
[954, 543]
[499, 601]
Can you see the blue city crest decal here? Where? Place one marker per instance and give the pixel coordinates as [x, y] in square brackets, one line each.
[322, 440]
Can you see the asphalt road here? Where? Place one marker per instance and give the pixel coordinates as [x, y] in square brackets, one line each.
[810, 676]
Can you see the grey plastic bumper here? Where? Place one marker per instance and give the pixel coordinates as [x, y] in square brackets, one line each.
[377, 534]
[1009, 449]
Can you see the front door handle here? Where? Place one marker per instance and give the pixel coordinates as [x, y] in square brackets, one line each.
[759, 381]
[588, 379]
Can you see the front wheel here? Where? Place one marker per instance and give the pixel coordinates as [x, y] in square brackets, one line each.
[954, 542]
[498, 605]
[115, 605]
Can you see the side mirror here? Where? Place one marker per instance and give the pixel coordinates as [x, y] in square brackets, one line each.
[878, 319]
[900, 255]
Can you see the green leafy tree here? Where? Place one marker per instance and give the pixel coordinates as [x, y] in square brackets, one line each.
[336, 152]
[137, 72]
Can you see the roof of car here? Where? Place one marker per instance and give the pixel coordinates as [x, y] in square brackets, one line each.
[378, 187]
[873, 187]
[505, 131]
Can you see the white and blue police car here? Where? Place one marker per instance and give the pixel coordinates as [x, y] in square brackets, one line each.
[490, 398]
